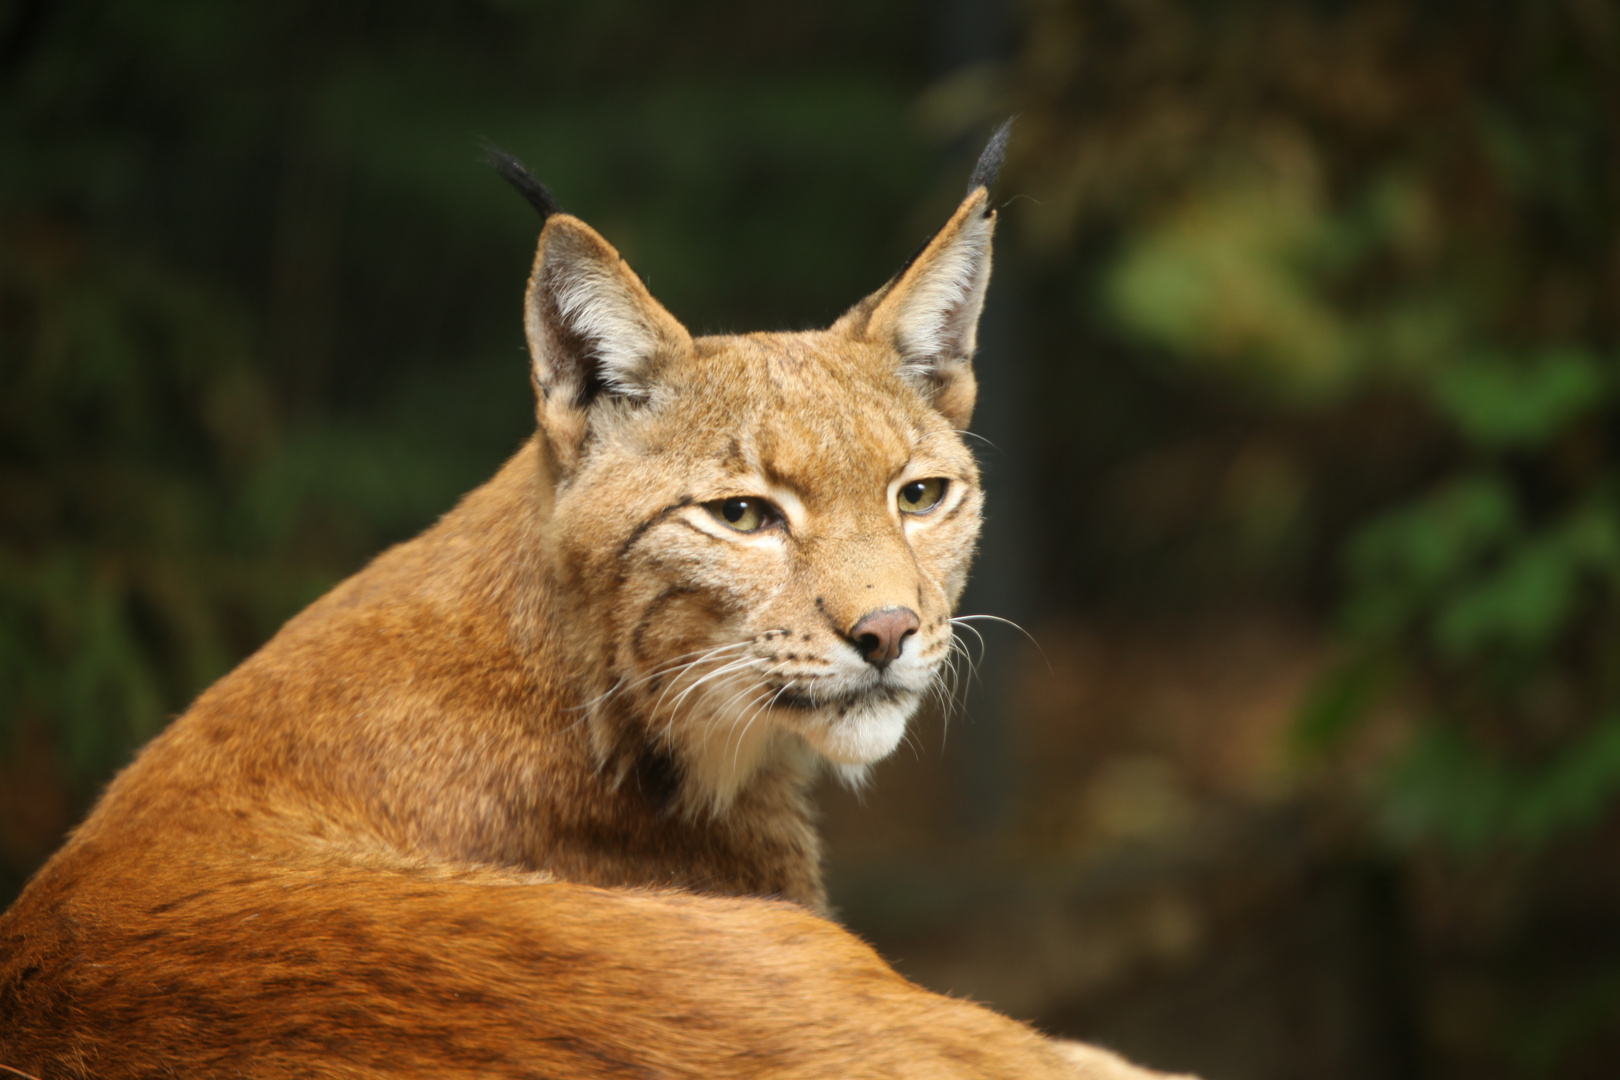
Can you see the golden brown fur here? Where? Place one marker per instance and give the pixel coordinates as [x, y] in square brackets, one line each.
[527, 795]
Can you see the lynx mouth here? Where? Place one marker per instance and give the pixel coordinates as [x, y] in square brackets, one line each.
[786, 697]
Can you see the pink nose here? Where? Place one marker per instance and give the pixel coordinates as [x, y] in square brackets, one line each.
[881, 634]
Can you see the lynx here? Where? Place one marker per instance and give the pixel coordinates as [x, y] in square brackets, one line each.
[528, 795]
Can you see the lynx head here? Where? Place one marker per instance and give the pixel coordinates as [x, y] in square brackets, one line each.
[758, 539]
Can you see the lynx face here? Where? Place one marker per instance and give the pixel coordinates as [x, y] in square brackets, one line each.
[791, 525]
[761, 537]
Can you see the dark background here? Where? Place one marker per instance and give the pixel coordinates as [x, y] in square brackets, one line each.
[1300, 391]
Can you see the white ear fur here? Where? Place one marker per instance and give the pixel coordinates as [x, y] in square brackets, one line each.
[929, 314]
[594, 305]
[936, 314]
[593, 328]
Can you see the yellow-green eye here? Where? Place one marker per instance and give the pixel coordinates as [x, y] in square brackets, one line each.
[921, 496]
[744, 515]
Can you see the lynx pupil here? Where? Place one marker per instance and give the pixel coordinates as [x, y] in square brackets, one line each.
[921, 496]
[744, 515]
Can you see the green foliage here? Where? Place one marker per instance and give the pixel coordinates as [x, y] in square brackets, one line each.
[1460, 566]
[1497, 403]
[1445, 786]
[1383, 238]
[1337, 704]
[1353, 236]
[1244, 271]
[1228, 275]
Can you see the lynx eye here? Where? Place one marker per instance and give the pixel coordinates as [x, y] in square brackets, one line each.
[921, 496]
[744, 515]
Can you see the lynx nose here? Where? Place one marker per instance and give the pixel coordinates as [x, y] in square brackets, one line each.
[881, 634]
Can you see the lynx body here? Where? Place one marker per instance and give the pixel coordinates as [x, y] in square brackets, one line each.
[527, 796]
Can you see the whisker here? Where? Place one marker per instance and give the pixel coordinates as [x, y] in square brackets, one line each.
[974, 631]
[678, 671]
[963, 619]
[599, 698]
[723, 669]
[945, 682]
[954, 696]
[736, 717]
[962, 650]
[912, 745]
[755, 715]
[725, 706]
[965, 433]
[675, 708]
[679, 664]
[673, 664]
[743, 734]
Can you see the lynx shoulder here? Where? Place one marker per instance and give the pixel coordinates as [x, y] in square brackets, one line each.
[527, 795]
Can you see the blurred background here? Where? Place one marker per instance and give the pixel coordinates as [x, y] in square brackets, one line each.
[1301, 400]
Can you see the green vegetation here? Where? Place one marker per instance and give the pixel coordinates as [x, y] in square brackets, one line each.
[1399, 225]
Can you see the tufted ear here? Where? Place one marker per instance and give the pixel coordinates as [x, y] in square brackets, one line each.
[929, 312]
[595, 332]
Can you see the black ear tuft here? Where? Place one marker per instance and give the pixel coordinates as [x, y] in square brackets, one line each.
[984, 176]
[995, 152]
[513, 172]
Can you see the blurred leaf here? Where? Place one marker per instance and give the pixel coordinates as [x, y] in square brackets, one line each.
[1223, 277]
[1441, 788]
[1339, 701]
[1402, 561]
[1385, 235]
[1498, 402]
[1592, 536]
[1522, 604]
[1445, 788]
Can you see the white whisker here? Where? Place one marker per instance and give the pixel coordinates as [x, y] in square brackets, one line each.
[964, 432]
[743, 734]
[673, 664]
[678, 671]
[723, 669]
[964, 619]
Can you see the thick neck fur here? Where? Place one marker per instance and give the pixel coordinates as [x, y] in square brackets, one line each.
[430, 705]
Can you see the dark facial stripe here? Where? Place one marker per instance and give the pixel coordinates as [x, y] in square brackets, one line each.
[821, 606]
[648, 614]
[641, 530]
[709, 536]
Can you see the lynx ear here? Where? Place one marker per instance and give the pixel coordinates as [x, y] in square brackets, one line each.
[594, 331]
[929, 312]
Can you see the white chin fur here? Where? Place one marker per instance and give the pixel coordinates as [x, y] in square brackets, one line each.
[864, 736]
[853, 777]
[723, 751]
